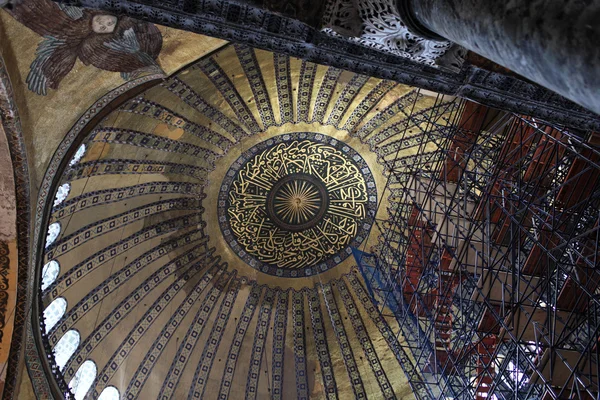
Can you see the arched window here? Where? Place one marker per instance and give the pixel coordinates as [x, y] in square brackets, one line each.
[49, 274]
[65, 348]
[83, 379]
[109, 393]
[78, 155]
[54, 312]
[62, 193]
[53, 232]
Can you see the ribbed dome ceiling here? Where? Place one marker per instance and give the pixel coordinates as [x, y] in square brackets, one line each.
[174, 290]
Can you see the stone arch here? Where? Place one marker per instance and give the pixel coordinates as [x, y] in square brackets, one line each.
[14, 235]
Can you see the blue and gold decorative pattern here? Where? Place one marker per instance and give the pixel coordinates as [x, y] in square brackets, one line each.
[129, 303]
[284, 87]
[391, 148]
[258, 347]
[107, 225]
[150, 141]
[238, 339]
[219, 78]
[146, 321]
[367, 104]
[193, 99]
[299, 345]
[359, 328]
[108, 196]
[305, 89]
[203, 369]
[388, 113]
[345, 99]
[163, 114]
[383, 327]
[190, 340]
[95, 296]
[123, 167]
[320, 337]
[326, 91]
[145, 369]
[80, 270]
[343, 342]
[415, 122]
[279, 331]
[253, 72]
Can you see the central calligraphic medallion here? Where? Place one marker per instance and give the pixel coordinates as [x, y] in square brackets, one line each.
[296, 204]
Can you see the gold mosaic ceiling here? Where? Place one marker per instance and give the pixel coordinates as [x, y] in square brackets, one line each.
[206, 232]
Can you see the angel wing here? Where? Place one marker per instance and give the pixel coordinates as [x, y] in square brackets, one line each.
[53, 61]
[47, 18]
[149, 37]
[132, 47]
[127, 44]
[73, 12]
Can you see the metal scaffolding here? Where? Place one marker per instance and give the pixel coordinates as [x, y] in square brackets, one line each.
[489, 258]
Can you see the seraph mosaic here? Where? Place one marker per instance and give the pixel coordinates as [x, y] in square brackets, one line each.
[108, 42]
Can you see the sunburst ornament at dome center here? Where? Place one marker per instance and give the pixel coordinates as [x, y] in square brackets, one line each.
[296, 204]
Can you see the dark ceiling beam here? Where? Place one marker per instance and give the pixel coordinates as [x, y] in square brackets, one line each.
[243, 22]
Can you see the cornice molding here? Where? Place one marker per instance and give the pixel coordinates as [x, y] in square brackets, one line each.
[243, 23]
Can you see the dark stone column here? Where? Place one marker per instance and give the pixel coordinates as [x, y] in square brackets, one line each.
[555, 43]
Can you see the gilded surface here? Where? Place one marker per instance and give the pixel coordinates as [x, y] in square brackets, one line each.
[47, 119]
[300, 201]
[161, 300]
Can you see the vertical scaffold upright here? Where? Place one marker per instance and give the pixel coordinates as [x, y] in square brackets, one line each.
[489, 258]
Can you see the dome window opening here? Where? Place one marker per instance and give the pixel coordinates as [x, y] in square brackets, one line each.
[110, 393]
[62, 193]
[54, 312]
[53, 233]
[78, 155]
[49, 274]
[83, 379]
[65, 348]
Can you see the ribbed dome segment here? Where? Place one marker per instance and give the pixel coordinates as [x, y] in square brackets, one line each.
[168, 300]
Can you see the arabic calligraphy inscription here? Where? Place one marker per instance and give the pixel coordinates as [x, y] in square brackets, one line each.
[295, 204]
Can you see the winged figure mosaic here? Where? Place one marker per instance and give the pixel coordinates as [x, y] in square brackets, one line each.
[108, 42]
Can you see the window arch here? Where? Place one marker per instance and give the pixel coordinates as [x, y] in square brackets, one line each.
[53, 232]
[49, 274]
[110, 393]
[83, 379]
[62, 193]
[54, 312]
[65, 348]
[78, 155]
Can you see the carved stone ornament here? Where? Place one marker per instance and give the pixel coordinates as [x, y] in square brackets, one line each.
[376, 24]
